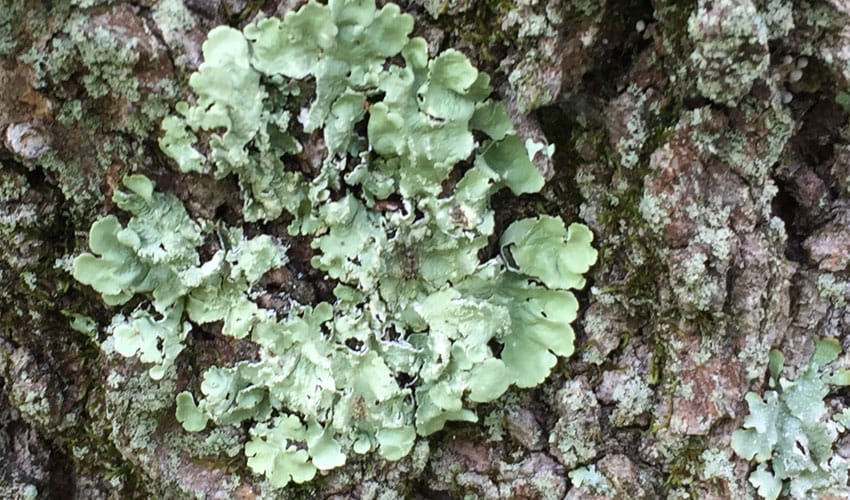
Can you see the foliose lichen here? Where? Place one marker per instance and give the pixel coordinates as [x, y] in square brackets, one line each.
[791, 433]
[424, 323]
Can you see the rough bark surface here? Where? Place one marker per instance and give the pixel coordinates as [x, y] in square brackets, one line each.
[705, 143]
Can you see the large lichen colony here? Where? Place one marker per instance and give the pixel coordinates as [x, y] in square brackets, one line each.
[398, 213]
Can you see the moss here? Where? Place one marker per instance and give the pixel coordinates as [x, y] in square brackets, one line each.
[64, 407]
[14, 223]
[32, 401]
[631, 245]
[819, 19]
[480, 26]
[95, 455]
[588, 9]
[672, 17]
[31, 224]
[683, 456]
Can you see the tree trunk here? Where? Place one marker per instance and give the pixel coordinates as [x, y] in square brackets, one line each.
[705, 143]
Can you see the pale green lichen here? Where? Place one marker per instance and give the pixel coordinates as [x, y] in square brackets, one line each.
[532, 27]
[155, 253]
[32, 398]
[12, 11]
[790, 432]
[106, 76]
[635, 106]
[833, 289]
[494, 422]
[717, 464]
[174, 19]
[591, 480]
[109, 61]
[577, 435]
[633, 398]
[421, 329]
[731, 52]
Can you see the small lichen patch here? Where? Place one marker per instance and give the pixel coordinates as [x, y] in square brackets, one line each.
[790, 432]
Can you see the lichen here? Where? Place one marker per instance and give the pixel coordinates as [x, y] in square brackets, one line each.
[421, 327]
[591, 480]
[174, 19]
[790, 432]
[833, 289]
[730, 37]
[102, 65]
[96, 81]
[577, 435]
[633, 398]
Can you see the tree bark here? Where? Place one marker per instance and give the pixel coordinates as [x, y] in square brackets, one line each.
[705, 143]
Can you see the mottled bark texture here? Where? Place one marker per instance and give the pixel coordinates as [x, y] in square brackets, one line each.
[705, 143]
